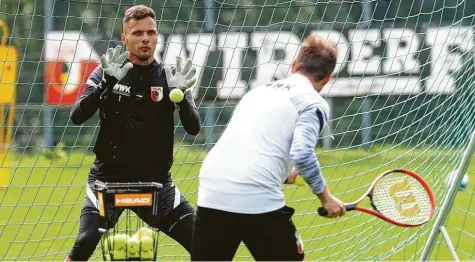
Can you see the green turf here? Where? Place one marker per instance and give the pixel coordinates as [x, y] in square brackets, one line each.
[39, 211]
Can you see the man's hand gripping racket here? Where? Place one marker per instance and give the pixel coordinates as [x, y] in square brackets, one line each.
[399, 196]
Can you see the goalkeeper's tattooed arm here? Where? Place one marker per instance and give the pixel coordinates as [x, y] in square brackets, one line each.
[90, 100]
[189, 114]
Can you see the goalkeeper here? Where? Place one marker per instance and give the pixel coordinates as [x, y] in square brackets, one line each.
[135, 141]
[274, 128]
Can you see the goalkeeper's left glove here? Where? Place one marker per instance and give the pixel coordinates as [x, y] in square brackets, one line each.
[184, 76]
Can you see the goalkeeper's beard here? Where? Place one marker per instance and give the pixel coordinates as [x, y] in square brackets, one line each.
[142, 58]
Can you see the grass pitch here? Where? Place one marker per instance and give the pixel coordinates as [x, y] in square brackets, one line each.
[39, 211]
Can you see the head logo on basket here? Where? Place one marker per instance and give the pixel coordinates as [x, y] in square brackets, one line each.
[128, 200]
[157, 93]
[403, 195]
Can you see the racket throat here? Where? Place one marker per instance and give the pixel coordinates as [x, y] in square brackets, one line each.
[371, 202]
[350, 207]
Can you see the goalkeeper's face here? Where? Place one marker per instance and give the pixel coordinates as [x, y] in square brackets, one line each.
[140, 37]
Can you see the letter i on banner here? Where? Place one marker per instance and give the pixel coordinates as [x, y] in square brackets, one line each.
[8, 74]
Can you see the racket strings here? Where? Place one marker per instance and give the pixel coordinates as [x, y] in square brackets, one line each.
[402, 198]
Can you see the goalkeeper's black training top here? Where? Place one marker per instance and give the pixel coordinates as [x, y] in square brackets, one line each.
[135, 141]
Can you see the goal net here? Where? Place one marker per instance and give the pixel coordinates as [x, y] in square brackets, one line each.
[402, 96]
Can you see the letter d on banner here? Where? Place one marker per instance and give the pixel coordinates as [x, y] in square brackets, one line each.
[8, 74]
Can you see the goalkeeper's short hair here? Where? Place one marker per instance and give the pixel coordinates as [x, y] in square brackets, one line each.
[138, 12]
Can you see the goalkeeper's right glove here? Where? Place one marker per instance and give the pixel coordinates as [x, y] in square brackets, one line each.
[113, 68]
[184, 76]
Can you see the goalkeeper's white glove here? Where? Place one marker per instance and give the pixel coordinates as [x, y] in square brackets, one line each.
[184, 76]
[113, 68]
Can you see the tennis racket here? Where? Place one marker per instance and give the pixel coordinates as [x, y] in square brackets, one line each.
[398, 196]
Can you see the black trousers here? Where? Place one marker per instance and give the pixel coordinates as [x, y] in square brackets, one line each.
[269, 236]
[176, 218]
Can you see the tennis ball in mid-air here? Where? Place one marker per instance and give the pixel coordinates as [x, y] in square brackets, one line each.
[176, 95]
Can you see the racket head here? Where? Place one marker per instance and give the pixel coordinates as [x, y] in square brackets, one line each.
[400, 197]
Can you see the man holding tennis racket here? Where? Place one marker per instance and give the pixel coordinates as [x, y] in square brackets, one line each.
[273, 128]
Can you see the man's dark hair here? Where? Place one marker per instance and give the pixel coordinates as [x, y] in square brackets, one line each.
[138, 12]
[316, 57]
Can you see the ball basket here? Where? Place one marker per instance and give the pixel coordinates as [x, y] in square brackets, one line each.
[134, 243]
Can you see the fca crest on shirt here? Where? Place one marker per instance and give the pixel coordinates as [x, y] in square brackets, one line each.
[157, 93]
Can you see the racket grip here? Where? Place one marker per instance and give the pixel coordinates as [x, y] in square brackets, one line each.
[323, 212]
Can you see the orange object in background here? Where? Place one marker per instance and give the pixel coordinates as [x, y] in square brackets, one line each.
[69, 60]
[57, 75]
[8, 75]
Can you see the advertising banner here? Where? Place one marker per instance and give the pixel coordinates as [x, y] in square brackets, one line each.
[70, 59]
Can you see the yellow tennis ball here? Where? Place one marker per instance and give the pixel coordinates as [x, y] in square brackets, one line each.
[176, 95]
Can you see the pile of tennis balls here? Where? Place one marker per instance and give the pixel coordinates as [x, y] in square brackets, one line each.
[124, 247]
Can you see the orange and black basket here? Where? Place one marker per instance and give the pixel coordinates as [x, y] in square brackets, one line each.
[137, 242]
